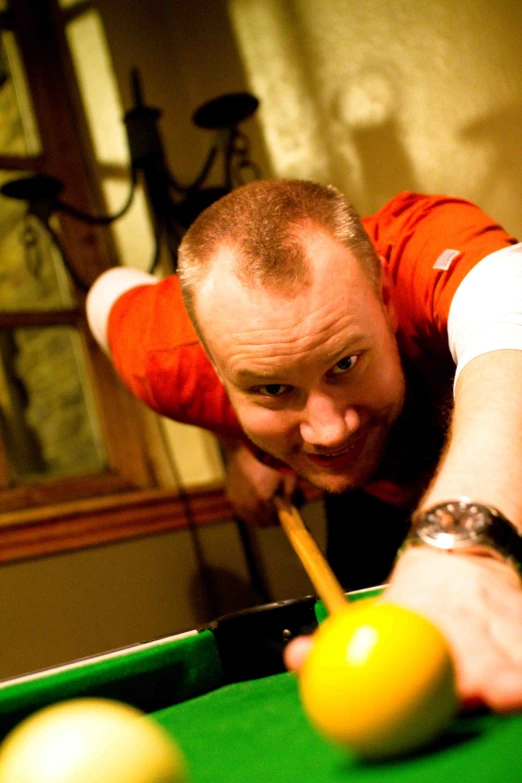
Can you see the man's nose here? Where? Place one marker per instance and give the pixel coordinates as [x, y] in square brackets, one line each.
[328, 422]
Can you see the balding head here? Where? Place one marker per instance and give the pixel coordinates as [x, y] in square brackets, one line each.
[263, 226]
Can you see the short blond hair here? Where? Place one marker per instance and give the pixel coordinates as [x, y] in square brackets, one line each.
[261, 224]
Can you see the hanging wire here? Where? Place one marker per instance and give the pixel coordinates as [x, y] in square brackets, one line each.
[82, 284]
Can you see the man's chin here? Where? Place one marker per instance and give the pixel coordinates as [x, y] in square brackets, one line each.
[334, 485]
[336, 482]
[329, 481]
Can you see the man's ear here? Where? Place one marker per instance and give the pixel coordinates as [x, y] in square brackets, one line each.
[387, 295]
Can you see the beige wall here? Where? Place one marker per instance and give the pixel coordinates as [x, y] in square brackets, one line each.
[373, 95]
[56, 609]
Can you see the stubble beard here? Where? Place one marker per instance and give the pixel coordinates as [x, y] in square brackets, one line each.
[377, 434]
[361, 472]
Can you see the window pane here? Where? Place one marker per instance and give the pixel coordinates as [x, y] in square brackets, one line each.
[47, 420]
[32, 272]
[96, 78]
[18, 133]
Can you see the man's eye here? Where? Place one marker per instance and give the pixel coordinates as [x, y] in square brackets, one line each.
[273, 389]
[345, 364]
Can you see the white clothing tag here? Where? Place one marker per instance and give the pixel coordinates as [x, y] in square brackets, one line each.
[445, 259]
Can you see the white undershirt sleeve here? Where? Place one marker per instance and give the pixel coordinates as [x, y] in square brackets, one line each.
[486, 310]
[103, 294]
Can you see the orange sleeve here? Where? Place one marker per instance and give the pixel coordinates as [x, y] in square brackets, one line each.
[418, 236]
[158, 356]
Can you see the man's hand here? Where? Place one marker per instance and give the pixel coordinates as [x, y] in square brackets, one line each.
[251, 486]
[477, 603]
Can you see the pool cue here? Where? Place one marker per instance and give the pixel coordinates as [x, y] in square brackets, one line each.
[312, 559]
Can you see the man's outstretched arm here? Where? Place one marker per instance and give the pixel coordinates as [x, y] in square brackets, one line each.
[476, 600]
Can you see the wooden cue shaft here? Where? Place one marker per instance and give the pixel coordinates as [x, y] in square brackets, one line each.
[312, 559]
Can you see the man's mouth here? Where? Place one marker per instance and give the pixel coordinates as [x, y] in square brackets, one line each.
[340, 458]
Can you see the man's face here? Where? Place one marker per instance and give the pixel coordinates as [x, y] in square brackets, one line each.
[314, 377]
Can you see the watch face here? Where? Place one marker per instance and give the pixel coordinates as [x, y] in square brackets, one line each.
[453, 524]
[463, 524]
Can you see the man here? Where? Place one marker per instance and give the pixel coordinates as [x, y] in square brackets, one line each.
[330, 346]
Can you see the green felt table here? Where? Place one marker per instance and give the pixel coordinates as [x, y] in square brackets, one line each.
[222, 692]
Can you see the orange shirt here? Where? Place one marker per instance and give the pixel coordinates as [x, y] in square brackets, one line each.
[428, 244]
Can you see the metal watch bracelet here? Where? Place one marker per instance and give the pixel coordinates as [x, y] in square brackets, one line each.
[464, 526]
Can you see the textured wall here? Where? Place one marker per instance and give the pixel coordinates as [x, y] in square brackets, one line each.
[377, 96]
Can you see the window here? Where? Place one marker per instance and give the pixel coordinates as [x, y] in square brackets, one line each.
[81, 461]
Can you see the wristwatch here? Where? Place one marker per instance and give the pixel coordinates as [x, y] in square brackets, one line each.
[464, 526]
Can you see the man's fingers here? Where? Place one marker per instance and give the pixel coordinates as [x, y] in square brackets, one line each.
[270, 517]
[289, 484]
[505, 692]
[296, 652]
[261, 515]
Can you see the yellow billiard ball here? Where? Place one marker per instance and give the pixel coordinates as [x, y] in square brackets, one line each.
[88, 741]
[379, 680]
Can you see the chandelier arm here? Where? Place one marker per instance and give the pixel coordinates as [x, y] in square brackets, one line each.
[201, 177]
[242, 166]
[99, 220]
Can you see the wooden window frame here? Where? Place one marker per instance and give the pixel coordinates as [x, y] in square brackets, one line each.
[133, 497]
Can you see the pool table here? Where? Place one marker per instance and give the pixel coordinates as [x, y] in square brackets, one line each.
[222, 692]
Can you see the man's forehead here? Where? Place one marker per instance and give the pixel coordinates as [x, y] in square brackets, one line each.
[231, 258]
[223, 259]
[225, 276]
[218, 279]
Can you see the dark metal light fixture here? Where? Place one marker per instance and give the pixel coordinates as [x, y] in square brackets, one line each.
[173, 206]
